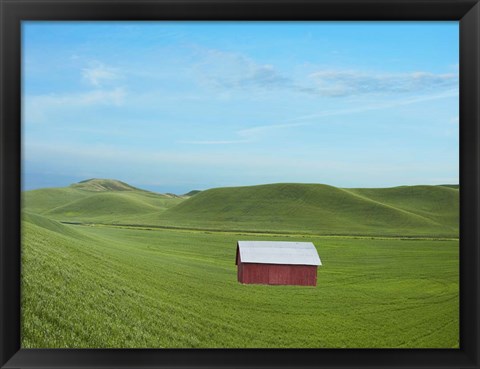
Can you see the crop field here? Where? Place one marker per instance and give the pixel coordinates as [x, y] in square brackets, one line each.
[104, 285]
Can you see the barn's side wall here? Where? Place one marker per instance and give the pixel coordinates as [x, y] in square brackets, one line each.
[239, 264]
[253, 273]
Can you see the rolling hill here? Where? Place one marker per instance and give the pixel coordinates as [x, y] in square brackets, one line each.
[321, 209]
[287, 207]
[96, 200]
[104, 286]
[52, 226]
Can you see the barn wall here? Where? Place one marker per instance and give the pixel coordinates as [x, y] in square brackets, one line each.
[239, 264]
[303, 275]
[240, 272]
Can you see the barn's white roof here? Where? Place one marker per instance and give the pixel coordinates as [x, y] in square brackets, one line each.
[273, 252]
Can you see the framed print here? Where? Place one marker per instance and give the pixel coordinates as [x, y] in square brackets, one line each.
[239, 184]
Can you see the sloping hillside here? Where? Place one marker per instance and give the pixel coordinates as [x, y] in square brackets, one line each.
[288, 207]
[321, 209]
[51, 225]
[44, 199]
[439, 203]
[96, 200]
[454, 186]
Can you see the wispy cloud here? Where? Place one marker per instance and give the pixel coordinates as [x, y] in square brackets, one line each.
[347, 83]
[229, 70]
[378, 106]
[103, 91]
[264, 76]
[213, 142]
[123, 156]
[107, 97]
[254, 133]
[246, 135]
[97, 74]
[41, 107]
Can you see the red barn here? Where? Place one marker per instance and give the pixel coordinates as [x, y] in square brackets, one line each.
[267, 262]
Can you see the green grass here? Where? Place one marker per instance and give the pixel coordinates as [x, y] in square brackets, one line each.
[44, 199]
[97, 200]
[121, 287]
[438, 203]
[320, 209]
[52, 225]
[111, 206]
[429, 211]
[108, 286]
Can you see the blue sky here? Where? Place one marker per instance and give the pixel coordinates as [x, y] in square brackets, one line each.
[176, 106]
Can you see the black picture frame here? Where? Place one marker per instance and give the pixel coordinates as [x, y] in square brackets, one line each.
[13, 12]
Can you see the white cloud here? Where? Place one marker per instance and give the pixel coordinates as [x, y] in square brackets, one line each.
[227, 70]
[97, 74]
[347, 83]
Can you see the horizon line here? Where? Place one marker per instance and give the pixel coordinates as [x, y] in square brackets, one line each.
[142, 186]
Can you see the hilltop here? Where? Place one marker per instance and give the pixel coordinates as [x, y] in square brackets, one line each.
[192, 193]
[102, 185]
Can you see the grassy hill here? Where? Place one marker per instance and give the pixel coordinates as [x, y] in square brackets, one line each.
[438, 203]
[96, 200]
[44, 199]
[321, 209]
[287, 207]
[454, 186]
[52, 226]
[104, 286]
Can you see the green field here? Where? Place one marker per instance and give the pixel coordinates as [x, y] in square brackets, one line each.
[149, 270]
